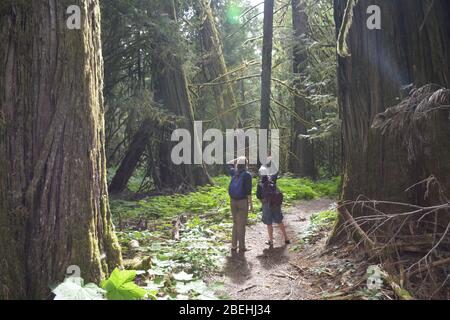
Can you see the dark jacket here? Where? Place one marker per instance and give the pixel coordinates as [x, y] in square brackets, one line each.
[247, 184]
[260, 186]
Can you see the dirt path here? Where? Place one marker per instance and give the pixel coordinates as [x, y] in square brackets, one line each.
[272, 274]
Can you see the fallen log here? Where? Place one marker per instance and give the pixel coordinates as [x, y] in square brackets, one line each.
[429, 266]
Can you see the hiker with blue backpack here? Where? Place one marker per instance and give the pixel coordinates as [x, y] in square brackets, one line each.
[240, 192]
[271, 199]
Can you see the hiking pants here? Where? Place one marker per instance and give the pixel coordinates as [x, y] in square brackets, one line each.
[239, 210]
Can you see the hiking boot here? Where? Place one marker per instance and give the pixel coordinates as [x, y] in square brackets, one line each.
[269, 243]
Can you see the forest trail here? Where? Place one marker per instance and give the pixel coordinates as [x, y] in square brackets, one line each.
[276, 273]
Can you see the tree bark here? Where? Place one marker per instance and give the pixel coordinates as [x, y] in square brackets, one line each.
[134, 153]
[54, 209]
[266, 76]
[301, 160]
[171, 90]
[412, 47]
[215, 66]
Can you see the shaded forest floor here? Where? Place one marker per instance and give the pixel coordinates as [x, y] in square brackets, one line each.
[198, 264]
[304, 270]
[273, 273]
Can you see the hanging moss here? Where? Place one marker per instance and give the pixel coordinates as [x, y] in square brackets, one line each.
[342, 47]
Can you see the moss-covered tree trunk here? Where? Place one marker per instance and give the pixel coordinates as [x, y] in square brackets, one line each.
[215, 66]
[266, 74]
[171, 90]
[412, 48]
[301, 159]
[132, 157]
[54, 209]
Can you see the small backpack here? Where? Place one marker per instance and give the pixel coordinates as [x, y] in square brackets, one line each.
[272, 194]
[236, 188]
[276, 198]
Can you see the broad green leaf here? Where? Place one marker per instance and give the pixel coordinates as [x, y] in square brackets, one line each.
[151, 294]
[209, 295]
[183, 276]
[197, 286]
[121, 286]
[152, 286]
[156, 272]
[73, 289]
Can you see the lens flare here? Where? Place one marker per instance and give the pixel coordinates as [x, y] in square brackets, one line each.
[233, 14]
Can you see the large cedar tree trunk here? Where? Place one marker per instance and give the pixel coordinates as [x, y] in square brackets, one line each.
[301, 159]
[54, 209]
[412, 47]
[171, 90]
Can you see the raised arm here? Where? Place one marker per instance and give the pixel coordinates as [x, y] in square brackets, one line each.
[231, 167]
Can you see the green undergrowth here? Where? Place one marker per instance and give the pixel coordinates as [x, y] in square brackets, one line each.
[320, 223]
[214, 199]
[305, 189]
[175, 269]
[135, 182]
[204, 236]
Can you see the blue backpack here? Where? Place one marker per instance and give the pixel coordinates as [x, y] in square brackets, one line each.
[236, 188]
